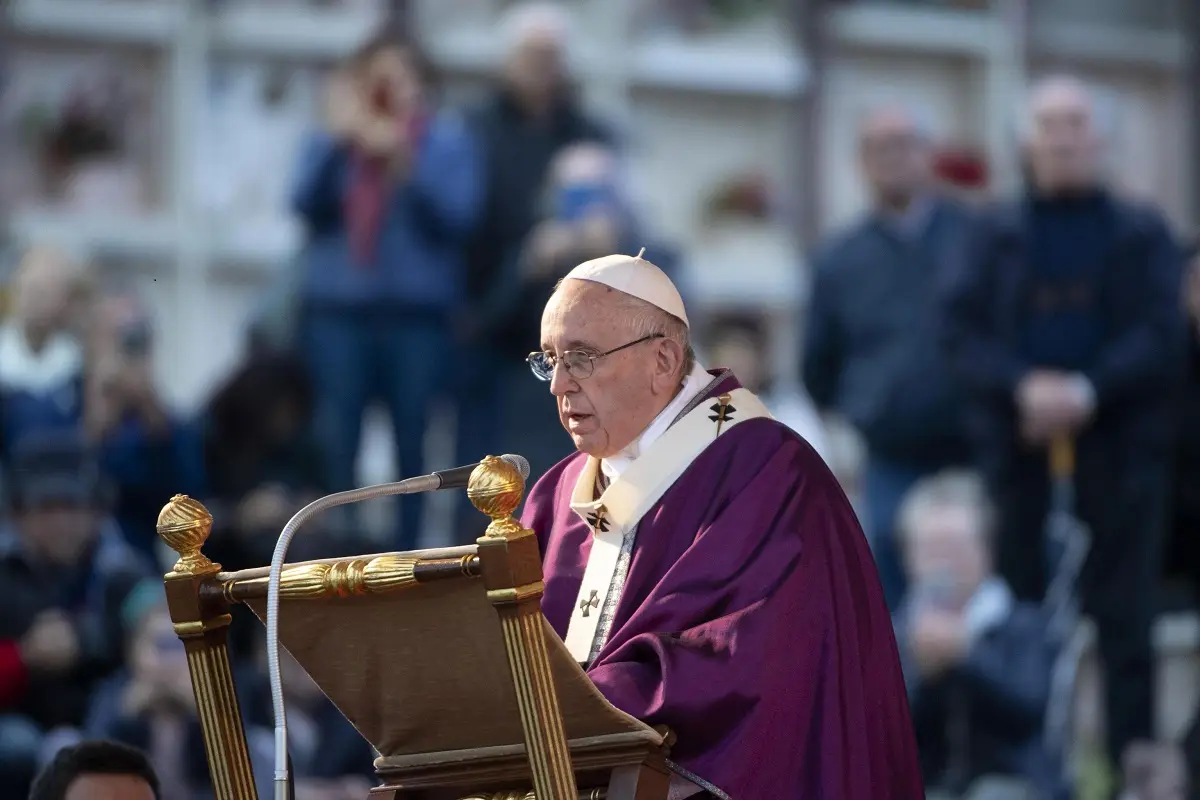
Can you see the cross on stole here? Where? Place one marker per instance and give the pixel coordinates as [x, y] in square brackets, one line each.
[587, 605]
[722, 411]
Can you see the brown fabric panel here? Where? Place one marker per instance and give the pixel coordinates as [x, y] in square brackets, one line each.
[425, 670]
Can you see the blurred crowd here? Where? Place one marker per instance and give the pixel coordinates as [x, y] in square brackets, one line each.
[960, 340]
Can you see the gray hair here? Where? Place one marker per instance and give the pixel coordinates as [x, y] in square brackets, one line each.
[950, 489]
[1102, 112]
[647, 319]
[521, 21]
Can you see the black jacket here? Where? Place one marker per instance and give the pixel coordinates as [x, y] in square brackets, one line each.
[91, 595]
[1140, 360]
[871, 347]
[517, 156]
[986, 716]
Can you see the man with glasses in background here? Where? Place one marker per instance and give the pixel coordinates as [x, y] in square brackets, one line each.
[702, 563]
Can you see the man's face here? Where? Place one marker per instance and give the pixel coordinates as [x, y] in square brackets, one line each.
[1063, 146]
[43, 291]
[895, 157]
[94, 786]
[391, 84]
[60, 532]
[948, 546]
[536, 67]
[607, 410]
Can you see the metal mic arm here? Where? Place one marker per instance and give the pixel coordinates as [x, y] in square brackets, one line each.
[425, 483]
[458, 477]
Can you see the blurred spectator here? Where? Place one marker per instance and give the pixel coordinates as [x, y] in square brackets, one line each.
[740, 344]
[64, 573]
[150, 704]
[1066, 323]
[584, 215]
[41, 361]
[1155, 772]
[265, 465]
[1182, 560]
[526, 121]
[97, 769]
[977, 661]
[329, 758]
[389, 193]
[146, 451]
[871, 350]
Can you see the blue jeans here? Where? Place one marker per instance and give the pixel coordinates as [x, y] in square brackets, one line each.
[481, 407]
[358, 357]
[886, 482]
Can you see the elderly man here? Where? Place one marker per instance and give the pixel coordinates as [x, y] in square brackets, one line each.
[1066, 323]
[978, 662]
[702, 562]
[871, 351]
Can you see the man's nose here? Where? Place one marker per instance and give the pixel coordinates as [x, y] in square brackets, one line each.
[561, 381]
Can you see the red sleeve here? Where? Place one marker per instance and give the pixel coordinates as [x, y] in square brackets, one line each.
[13, 676]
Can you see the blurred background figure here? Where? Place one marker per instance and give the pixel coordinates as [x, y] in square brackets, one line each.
[41, 359]
[389, 194]
[978, 662]
[528, 116]
[98, 769]
[871, 346]
[146, 450]
[1066, 322]
[65, 571]
[739, 344]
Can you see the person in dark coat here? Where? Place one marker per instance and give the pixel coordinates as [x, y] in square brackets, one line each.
[65, 570]
[870, 351]
[527, 120]
[1065, 322]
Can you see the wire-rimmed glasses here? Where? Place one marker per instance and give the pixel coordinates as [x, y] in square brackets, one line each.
[579, 364]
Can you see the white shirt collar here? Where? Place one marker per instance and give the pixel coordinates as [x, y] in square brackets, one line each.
[695, 383]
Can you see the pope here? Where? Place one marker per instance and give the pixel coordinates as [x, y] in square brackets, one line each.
[703, 564]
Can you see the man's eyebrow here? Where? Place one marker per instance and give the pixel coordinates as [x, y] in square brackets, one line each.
[574, 344]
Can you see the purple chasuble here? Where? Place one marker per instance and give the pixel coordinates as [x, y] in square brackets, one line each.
[751, 623]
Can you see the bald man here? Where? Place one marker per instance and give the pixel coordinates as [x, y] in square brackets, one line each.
[1066, 323]
[702, 563]
[871, 352]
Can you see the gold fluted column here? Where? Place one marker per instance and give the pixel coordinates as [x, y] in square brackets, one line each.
[512, 574]
[202, 623]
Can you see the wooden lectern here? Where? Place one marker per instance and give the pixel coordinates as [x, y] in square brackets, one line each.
[440, 658]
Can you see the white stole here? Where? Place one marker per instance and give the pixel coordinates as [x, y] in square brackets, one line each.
[617, 511]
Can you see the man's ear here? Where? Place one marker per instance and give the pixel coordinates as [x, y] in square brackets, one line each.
[668, 364]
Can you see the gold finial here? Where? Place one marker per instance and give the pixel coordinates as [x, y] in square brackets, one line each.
[495, 488]
[185, 524]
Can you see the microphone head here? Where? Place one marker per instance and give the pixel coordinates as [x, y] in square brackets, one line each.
[520, 462]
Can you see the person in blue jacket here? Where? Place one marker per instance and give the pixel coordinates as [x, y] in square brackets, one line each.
[389, 193]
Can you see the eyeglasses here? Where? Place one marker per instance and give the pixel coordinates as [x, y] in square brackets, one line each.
[578, 363]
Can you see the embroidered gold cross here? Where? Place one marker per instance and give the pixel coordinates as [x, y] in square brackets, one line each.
[722, 411]
[587, 605]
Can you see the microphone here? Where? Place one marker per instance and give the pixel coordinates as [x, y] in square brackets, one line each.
[458, 477]
[446, 479]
